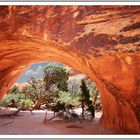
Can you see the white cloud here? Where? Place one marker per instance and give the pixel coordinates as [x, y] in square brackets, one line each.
[34, 73]
[29, 72]
[39, 69]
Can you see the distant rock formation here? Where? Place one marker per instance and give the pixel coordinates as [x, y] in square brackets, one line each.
[21, 85]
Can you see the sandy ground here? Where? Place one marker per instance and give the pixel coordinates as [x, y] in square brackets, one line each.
[28, 124]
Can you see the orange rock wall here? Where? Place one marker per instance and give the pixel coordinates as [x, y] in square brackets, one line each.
[102, 42]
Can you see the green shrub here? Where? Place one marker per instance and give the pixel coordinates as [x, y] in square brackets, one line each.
[69, 98]
[19, 99]
[26, 103]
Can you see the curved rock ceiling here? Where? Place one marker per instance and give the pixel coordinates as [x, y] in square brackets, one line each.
[101, 41]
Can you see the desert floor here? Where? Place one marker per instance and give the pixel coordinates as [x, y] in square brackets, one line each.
[28, 124]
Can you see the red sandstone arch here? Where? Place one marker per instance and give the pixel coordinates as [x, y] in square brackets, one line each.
[102, 42]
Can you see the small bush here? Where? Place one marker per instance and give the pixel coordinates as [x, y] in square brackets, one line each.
[69, 98]
[19, 99]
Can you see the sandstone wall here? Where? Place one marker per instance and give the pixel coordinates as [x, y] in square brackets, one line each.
[102, 42]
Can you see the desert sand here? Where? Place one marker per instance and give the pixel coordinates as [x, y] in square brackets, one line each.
[27, 124]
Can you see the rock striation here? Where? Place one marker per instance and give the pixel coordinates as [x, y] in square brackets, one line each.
[102, 42]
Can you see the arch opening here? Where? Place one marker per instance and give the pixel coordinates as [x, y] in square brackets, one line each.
[74, 77]
[74, 83]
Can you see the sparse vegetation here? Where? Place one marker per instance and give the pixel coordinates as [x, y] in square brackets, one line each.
[15, 98]
[57, 91]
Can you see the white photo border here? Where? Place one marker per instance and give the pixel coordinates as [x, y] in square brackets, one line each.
[26, 3]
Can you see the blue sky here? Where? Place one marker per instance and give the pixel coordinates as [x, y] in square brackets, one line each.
[35, 70]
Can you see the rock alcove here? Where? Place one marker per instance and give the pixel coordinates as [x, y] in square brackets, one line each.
[102, 42]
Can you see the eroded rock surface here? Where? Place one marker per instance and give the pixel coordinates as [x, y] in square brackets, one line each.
[103, 42]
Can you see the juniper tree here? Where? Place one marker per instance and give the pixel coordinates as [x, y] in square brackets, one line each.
[56, 75]
[86, 99]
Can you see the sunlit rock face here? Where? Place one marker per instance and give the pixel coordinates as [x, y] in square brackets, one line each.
[103, 42]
